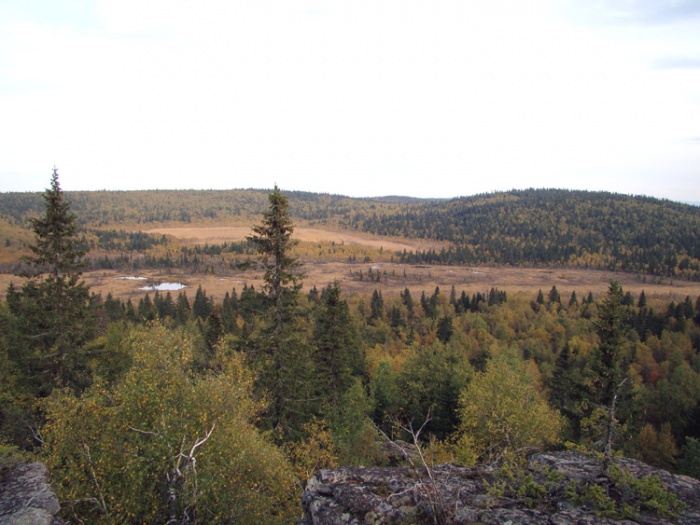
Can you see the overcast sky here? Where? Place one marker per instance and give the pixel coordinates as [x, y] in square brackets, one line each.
[354, 97]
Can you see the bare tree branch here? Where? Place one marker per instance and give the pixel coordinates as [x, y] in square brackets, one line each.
[430, 487]
[146, 432]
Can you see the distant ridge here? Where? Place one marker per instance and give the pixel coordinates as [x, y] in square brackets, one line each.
[401, 199]
[553, 227]
[532, 227]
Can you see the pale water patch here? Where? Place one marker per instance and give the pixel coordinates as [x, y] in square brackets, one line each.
[130, 278]
[163, 287]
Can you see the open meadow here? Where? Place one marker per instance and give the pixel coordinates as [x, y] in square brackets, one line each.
[325, 254]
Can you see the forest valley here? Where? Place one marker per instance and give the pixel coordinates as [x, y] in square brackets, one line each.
[185, 409]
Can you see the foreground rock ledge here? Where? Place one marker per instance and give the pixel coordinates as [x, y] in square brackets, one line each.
[460, 495]
[26, 497]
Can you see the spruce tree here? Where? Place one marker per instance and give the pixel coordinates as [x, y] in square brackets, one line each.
[445, 329]
[574, 300]
[53, 306]
[339, 356]
[280, 354]
[540, 297]
[554, 296]
[567, 391]
[609, 364]
[202, 305]
[408, 302]
[376, 306]
[273, 241]
[642, 303]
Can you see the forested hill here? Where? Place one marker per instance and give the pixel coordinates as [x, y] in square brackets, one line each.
[545, 227]
[114, 208]
[554, 227]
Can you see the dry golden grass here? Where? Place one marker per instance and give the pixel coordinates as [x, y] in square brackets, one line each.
[393, 281]
[221, 234]
[325, 255]
[203, 234]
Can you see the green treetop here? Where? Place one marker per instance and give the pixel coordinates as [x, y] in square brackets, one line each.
[52, 307]
[273, 241]
[281, 355]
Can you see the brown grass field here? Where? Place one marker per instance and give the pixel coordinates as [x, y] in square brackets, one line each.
[220, 234]
[319, 271]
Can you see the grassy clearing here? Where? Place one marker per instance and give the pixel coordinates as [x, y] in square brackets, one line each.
[326, 254]
[393, 279]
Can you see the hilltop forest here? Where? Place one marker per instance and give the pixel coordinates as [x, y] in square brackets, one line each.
[544, 228]
[178, 408]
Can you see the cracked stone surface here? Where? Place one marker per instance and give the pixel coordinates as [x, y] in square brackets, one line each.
[461, 495]
[26, 497]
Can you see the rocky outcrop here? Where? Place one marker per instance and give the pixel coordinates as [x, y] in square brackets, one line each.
[562, 488]
[26, 497]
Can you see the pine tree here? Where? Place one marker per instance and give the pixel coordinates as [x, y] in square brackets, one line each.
[202, 305]
[540, 297]
[573, 301]
[609, 364]
[376, 306]
[608, 361]
[338, 355]
[146, 310]
[281, 354]
[408, 302]
[183, 312]
[628, 300]
[464, 301]
[53, 307]
[566, 391]
[273, 241]
[445, 329]
[213, 329]
[554, 296]
[642, 303]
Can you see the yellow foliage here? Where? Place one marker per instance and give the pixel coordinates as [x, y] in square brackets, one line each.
[115, 452]
[314, 453]
[378, 354]
[503, 414]
[657, 448]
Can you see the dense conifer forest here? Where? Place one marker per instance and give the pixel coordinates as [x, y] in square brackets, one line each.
[181, 409]
[556, 228]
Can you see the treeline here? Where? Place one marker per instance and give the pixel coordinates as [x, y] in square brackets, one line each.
[112, 208]
[553, 228]
[125, 250]
[564, 228]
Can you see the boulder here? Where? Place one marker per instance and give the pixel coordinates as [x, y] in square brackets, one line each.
[26, 497]
[549, 490]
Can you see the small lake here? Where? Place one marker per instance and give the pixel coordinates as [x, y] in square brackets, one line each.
[162, 287]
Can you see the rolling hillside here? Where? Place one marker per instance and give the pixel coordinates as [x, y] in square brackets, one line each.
[555, 228]
[535, 228]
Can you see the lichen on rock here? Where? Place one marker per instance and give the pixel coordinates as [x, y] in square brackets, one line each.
[26, 497]
[549, 490]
